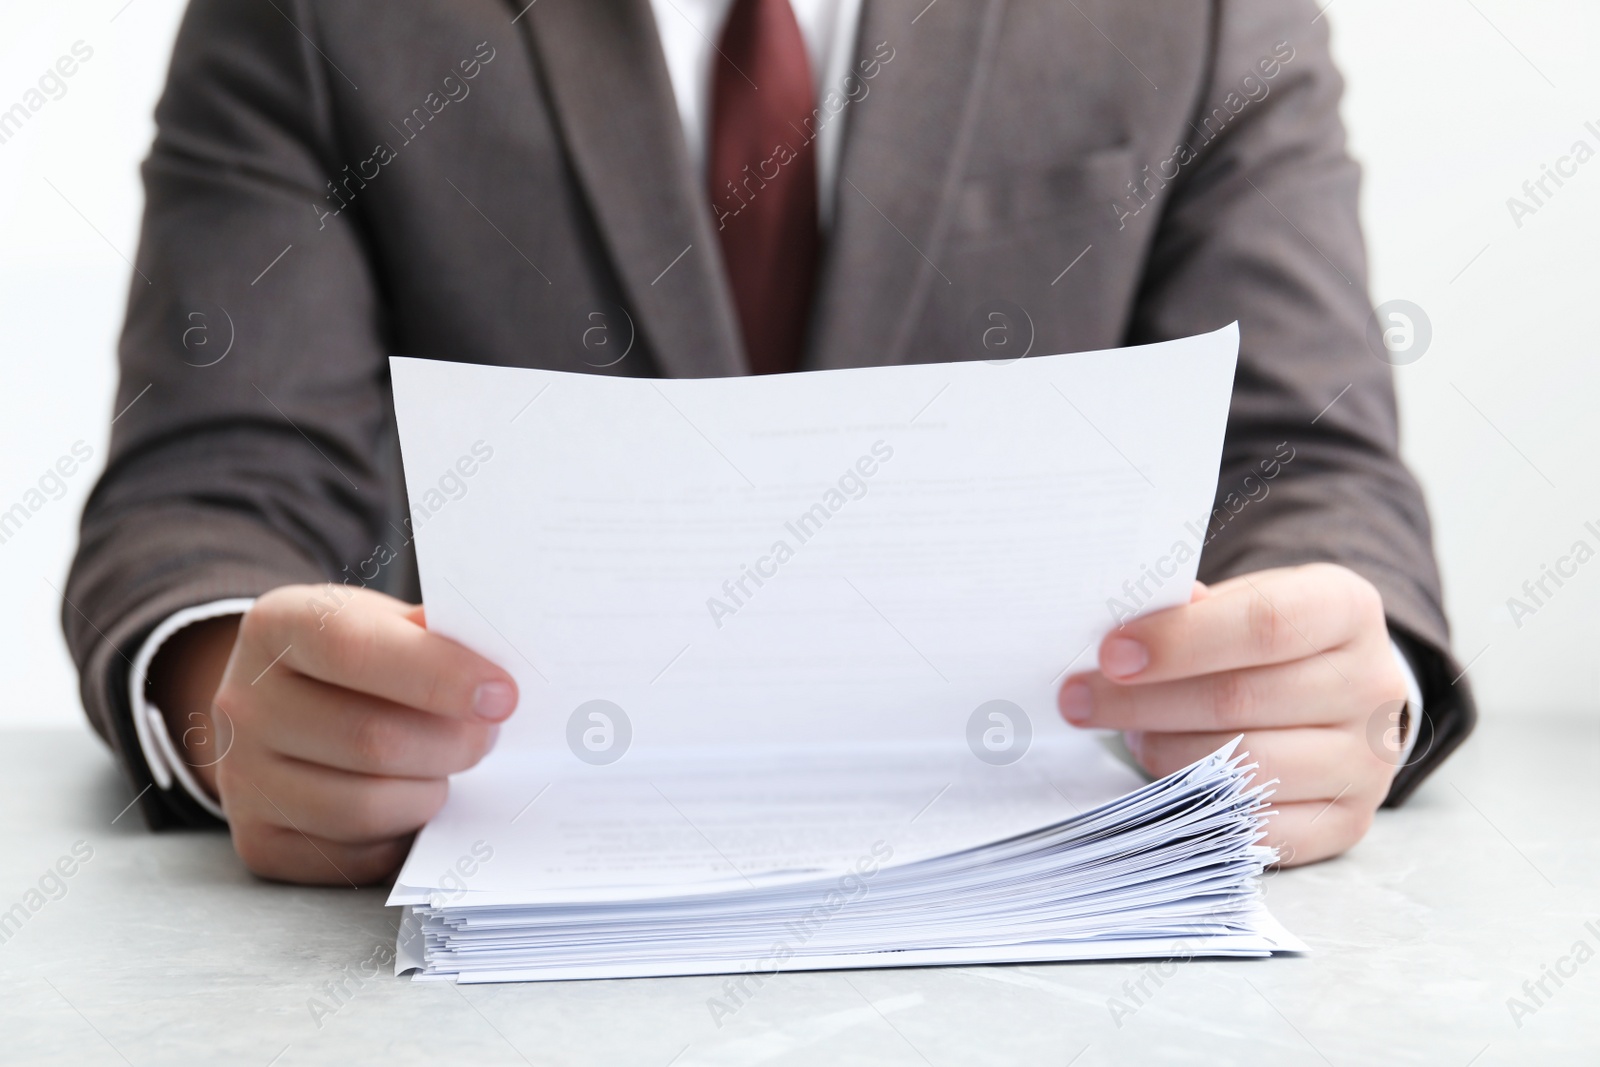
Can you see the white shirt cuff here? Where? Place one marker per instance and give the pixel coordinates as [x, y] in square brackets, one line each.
[166, 765]
[1413, 698]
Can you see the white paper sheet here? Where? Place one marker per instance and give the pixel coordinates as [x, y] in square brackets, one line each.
[597, 553]
[762, 626]
[729, 818]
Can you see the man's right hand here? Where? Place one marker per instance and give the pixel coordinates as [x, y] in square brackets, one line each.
[328, 735]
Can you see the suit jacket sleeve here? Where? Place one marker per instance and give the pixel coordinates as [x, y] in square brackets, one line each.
[1261, 226]
[249, 453]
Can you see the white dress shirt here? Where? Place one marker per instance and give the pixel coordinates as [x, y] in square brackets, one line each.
[688, 30]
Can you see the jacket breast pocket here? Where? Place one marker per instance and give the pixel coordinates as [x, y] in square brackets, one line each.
[1082, 191]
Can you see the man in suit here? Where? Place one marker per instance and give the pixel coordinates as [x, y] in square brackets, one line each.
[724, 187]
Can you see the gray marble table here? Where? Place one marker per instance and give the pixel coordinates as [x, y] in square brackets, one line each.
[162, 949]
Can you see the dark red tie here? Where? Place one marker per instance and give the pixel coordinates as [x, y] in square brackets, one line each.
[763, 177]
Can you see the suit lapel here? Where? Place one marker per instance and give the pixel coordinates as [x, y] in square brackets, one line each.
[613, 100]
[903, 157]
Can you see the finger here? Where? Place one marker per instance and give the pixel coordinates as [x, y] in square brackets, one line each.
[1309, 764]
[351, 809]
[1304, 692]
[372, 645]
[1308, 831]
[323, 724]
[1268, 617]
[291, 856]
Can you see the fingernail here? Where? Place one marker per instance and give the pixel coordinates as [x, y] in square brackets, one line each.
[1077, 703]
[494, 701]
[1123, 656]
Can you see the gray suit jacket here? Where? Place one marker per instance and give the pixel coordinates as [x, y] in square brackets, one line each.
[333, 182]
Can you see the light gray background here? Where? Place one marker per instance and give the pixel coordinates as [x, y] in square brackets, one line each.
[1453, 104]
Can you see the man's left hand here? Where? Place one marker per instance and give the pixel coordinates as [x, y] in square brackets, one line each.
[1298, 660]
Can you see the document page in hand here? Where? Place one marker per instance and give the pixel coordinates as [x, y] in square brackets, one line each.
[772, 633]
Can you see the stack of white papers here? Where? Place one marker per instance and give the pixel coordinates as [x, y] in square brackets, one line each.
[711, 868]
[788, 650]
